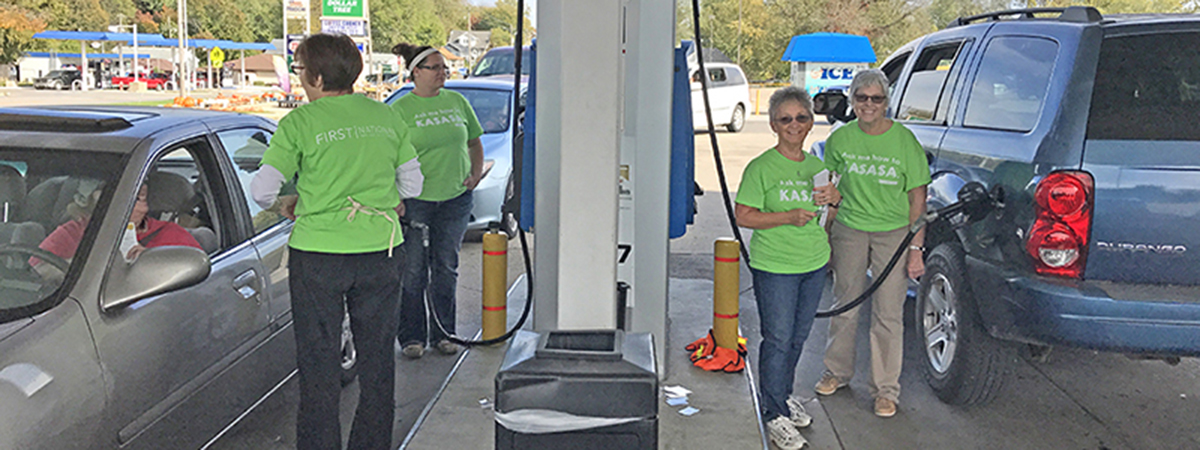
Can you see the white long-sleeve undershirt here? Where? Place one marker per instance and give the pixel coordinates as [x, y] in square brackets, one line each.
[265, 186]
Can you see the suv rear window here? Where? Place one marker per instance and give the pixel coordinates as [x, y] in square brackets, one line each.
[1011, 83]
[1146, 89]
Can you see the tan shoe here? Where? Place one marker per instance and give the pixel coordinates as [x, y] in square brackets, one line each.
[829, 384]
[885, 407]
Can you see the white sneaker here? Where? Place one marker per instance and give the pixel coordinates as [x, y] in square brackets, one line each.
[784, 435]
[799, 416]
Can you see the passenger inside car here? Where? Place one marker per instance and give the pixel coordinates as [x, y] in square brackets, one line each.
[151, 232]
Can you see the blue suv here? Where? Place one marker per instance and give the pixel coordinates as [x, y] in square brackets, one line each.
[1088, 127]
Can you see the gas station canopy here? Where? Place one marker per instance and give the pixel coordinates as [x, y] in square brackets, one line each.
[150, 40]
[830, 47]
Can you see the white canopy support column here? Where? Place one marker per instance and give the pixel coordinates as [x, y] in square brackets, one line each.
[83, 66]
[579, 93]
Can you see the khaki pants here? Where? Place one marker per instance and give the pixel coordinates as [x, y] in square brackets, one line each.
[853, 252]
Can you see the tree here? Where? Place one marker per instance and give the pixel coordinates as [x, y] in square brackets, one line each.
[410, 21]
[17, 27]
[501, 20]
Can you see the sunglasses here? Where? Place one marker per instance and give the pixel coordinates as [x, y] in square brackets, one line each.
[440, 68]
[800, 118]
[297, 67]
[876, 99]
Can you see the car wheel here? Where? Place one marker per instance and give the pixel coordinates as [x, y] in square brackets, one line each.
[57, 85]
[963, 364]
[738, 120]
[77, 85]
[349, 354]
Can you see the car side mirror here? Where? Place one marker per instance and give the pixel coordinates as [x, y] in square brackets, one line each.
[834, 104]
[157, 270]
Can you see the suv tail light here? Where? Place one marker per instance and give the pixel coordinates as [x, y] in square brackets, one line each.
[1058, 240]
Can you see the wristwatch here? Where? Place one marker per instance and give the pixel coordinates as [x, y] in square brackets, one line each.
[917, 248]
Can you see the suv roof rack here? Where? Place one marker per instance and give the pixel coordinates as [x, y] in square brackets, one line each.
[29, 119]
[1077, 14]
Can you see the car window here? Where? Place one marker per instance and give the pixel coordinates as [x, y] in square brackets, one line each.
[893, 69]
[1011, 83]
[180, 191]
[1146, 90]
[926, 85]
[717, 77]
[736, 77]
[43, 193]
[491, 106]
[501, 63]
[245, 147]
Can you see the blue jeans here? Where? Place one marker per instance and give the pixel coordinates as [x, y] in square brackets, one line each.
[431, 271]
[787, 307]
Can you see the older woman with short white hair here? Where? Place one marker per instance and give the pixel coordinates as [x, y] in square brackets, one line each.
[884, 177]
[789, 252]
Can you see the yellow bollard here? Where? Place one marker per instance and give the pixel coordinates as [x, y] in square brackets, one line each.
[725, 293]
[495, 271]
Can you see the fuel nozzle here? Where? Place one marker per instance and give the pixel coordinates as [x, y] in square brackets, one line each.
[974, 201]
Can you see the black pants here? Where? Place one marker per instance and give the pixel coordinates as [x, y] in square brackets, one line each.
[369, 285]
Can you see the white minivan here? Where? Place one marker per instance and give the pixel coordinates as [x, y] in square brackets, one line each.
[729, 93]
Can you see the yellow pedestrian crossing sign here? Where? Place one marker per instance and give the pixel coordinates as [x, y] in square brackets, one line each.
[216, 56]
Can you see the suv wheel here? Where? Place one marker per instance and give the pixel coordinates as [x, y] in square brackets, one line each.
[349, 354]
[962, 363]
[738, 120]
[57, 85]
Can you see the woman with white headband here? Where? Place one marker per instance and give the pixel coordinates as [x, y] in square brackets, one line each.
[446, 134]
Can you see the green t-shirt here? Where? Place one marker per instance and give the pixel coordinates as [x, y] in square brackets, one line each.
[877, 173]
[772, 183]
[441, 126]
[343, 146]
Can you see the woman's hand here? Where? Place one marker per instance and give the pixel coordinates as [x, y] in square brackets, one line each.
[472, 181]
[916, 264]
[800, 216]
[134, 252]
[400, 209]
[826, 195]
[287, 205]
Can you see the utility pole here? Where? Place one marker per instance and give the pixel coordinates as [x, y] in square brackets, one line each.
[181, 68]
[739, 41]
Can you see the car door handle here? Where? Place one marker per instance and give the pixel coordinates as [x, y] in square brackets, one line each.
[244, 284]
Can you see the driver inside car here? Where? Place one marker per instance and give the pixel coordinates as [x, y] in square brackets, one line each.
[151, 232]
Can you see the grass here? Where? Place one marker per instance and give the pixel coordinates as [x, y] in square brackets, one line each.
[148, 103]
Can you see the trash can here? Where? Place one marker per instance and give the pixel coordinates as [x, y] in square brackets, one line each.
[582, 390]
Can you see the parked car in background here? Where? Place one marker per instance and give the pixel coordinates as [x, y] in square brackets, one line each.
[375, 77]
[168, 350]
[1084, 129]
[729, 93]
[58, 80]
[156, 81]
[493, 101]
[501, 61]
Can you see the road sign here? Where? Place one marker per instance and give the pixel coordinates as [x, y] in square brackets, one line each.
[216, 56]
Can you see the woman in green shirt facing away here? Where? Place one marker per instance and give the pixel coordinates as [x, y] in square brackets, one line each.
[352, 162]
[446, 134]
